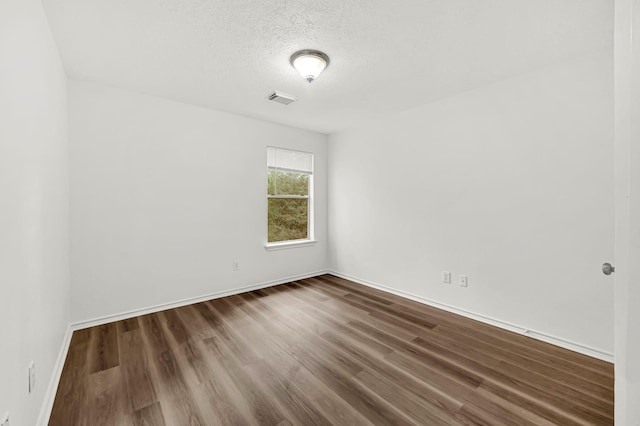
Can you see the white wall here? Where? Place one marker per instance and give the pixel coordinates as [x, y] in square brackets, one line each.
[34, 204]
[165, 196]
[510, 184]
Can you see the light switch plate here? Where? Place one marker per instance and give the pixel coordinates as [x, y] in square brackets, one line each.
[5, 420]
[32, 377]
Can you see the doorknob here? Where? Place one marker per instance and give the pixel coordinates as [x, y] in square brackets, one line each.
[607, 268]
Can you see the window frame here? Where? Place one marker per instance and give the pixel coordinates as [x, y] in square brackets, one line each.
[310, 240]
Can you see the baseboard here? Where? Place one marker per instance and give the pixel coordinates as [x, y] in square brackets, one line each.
[79, 325]
[50, 394]
[554, 340]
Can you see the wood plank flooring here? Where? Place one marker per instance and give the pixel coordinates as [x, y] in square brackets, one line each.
[323, 351]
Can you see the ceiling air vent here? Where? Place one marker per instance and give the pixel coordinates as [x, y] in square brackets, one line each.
[281, 98]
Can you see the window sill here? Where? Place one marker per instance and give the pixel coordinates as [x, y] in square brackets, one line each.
[289, 244]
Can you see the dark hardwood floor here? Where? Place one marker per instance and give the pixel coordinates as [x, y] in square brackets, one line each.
[323, 351]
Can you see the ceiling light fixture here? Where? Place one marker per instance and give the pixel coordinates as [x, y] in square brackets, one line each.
[309, 63]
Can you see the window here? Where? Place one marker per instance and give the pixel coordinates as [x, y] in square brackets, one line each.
[289, 195]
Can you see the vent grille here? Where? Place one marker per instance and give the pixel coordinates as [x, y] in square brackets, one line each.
[281, 98]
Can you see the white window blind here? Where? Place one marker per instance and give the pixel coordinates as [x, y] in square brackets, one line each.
[289, 161]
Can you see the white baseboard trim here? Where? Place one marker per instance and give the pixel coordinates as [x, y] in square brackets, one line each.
[79, 325]
[50, 394]
[554, 340]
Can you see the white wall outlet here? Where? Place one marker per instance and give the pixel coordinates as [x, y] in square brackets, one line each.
[464, 281]
[236, 265]
[446, 277]
[32, 376]
[5, 420]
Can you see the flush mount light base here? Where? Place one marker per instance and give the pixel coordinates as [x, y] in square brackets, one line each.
[309, 63]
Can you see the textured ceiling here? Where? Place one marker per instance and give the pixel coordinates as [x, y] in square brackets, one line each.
[386, 55]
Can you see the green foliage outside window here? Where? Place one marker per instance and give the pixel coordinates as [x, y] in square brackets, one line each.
[288, 183]
[288, 218]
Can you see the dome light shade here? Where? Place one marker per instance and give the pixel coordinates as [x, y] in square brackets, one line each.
[309, 63]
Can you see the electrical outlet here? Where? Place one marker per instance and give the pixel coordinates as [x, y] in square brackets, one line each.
[464, 281]
[5, 420]
[236, 265]
[32, 377]
[446, 277]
